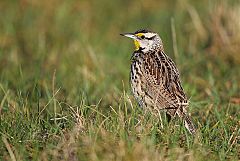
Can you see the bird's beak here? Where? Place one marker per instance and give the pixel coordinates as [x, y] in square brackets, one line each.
[135, 39]
[130, 35]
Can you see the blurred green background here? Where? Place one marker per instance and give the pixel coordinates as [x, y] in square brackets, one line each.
[56, 54]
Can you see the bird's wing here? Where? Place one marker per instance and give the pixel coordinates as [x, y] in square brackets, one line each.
[162, 81]
[164, 87]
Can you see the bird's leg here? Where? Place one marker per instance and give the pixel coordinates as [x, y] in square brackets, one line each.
[168, 117]
[160, 117]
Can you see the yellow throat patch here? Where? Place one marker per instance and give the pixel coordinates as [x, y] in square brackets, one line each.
[136, 43]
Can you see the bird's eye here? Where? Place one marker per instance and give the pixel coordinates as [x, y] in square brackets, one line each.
[142, 37]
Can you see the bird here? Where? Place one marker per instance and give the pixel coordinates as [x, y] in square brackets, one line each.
[155, 79]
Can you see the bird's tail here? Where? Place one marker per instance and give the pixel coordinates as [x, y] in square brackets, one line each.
[187, 121]
[189, 124]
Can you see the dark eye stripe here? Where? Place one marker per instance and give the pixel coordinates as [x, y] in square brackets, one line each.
[150, 38]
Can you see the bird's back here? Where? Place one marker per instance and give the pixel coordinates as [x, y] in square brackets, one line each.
[156, 76]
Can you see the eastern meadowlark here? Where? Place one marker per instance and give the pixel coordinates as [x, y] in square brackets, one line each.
[155, 79]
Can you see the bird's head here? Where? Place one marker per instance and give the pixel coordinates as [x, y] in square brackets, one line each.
[145, 40]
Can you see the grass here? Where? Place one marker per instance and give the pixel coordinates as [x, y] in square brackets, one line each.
[64, 92]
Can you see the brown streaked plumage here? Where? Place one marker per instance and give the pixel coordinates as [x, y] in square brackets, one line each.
[155, 79]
